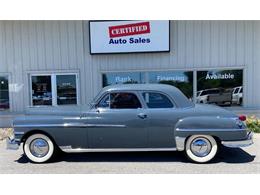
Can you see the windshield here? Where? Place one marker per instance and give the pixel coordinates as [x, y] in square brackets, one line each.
[204, 93]
[236, 90]
[95, 99]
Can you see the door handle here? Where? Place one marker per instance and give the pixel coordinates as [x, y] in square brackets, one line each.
[142, 115]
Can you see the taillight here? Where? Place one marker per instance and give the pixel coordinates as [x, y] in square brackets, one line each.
[242, 117]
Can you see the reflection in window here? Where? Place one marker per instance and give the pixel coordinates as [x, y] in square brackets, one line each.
[122, 78]
[4, 93]
[104, 102]
[41, 90]
[124, 101]
[43, 94]
[157, 100]
[66, 89]
[222, 87]
[183, 80]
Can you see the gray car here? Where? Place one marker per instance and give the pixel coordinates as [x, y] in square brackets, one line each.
[133, 117]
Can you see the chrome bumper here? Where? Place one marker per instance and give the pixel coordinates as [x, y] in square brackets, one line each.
[12, 144]
[241, 143]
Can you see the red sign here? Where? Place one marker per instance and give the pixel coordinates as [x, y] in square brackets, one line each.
[129, 29]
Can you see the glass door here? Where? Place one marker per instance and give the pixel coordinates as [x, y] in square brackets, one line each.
[4, 93]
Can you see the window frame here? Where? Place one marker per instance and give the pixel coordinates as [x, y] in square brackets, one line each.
[53, 88]
[8, 75]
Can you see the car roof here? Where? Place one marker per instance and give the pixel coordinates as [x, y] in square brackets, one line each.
[179, 98]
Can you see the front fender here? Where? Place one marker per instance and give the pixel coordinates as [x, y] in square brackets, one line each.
[224, 128]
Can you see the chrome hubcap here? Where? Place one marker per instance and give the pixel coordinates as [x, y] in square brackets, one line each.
[200, 147]
[39, 148]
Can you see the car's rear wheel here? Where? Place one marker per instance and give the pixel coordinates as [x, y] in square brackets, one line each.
[39, 148]
[201, 148]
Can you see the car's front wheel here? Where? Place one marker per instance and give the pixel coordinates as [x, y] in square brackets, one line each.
[201, 148]
[39, 148]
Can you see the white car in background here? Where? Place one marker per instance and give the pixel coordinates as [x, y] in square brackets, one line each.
[237, 95]
[202, 97]
[219, 96]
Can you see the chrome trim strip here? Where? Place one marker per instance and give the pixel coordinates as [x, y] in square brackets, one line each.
[70, 125]
[104, 125]
[196, 130]
[18, 133]
[180, 143]
[240, 143]
[78, 150]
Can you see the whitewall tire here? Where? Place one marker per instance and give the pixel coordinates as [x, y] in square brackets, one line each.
[38, 148]
[201, 148]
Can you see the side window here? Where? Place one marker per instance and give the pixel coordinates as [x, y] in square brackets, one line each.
[104, 102]
[124, 101]
[157, 100]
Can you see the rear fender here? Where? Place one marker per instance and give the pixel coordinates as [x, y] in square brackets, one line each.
[224, 128]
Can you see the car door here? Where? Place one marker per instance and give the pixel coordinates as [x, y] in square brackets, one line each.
[161, 119]
[117, 122]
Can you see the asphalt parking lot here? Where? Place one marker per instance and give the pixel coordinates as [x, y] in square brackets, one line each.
[244, 160]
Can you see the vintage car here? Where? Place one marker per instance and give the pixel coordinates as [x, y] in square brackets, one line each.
[133, 117]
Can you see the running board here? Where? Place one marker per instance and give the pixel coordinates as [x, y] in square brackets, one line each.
[79, 150]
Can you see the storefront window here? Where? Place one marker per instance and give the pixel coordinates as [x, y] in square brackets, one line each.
[183, 80]
[41, 90]
[221, 87]
[4, 93]
[122, 78]
[66, 89]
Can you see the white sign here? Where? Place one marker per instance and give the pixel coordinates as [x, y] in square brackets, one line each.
[129, 36]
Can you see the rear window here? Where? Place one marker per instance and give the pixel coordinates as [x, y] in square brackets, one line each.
[157, 100]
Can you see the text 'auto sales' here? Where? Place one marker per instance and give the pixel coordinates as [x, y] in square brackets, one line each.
[128, 30]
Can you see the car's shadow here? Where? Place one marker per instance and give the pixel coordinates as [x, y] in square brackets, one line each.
[227, 155]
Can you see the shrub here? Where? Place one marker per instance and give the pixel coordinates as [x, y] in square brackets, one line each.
[5, 133]
[253, 123]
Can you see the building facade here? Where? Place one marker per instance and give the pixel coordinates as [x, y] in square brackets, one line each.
[48, 65]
